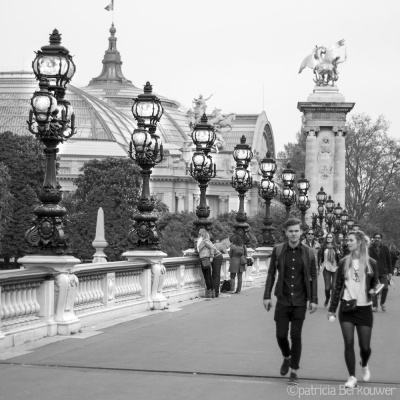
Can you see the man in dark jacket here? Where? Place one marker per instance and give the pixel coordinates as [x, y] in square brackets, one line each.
[381, 254]
[296, 285]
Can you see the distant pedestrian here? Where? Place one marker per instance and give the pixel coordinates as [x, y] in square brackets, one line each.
[310, 241]
[356, 279]
[206, 250]
[381, 254]
[394, 254]
[328, 260]
[238, 262]
[216, 263]
[297, 283]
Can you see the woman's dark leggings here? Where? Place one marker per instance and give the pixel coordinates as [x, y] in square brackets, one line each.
[207, 277]
[239, 285]
[364, 341]
[329, 279]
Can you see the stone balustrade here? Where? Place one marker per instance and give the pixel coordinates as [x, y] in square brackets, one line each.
[36, 302]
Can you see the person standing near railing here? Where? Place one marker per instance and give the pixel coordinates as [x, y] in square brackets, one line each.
[206, 251]
[237, 265]
[216, 263]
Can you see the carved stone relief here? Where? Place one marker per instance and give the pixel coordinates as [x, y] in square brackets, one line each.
[325, 157]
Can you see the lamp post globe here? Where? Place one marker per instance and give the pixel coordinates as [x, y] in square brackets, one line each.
[303, 202]
[288, 176]
[242, 153]
[267, 166]
[329, 204]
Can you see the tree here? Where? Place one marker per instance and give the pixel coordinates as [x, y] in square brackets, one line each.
[372, 168]
[6, 200]
[113, 184]
[25, 160]
[295, 153]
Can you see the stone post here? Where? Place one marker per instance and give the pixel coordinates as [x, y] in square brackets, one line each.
[155, 258]
[66, 288]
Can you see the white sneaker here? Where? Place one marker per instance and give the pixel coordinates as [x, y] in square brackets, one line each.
[351, 382]
[365, 373]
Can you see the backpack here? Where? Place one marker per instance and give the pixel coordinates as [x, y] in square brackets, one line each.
[226, 286]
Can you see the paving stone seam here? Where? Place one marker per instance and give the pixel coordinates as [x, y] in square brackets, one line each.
[173, 372]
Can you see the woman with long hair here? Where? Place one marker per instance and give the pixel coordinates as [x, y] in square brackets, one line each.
[328, 259]
[237, 265]
[207, 251]
[356, 281]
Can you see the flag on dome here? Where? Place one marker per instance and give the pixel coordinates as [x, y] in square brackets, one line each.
[110, 7]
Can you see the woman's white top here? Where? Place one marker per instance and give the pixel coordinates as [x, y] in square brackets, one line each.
[355, 285]
[330, 266]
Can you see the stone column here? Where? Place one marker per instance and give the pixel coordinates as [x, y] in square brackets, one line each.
[310, 169]
[339, 182]
[181, 201]
[247, 200]
[223, 204]
[196, 198]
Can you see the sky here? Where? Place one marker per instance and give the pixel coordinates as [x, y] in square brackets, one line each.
[245, 53]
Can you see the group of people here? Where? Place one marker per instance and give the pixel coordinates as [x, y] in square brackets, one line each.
[211, 260]
[352, 283]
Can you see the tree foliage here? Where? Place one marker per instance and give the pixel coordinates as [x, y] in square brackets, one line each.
[113, 184]
[6, 200]
[372, 173]
[295, 153]
[24, 158]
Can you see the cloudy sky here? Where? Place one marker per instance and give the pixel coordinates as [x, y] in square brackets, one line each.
[246, 53]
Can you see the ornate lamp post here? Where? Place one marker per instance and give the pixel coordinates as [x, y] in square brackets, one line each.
[288, 196]
[329, 215]
[338, 221]
[267, 190]
[303, 203]
[52, 121]
[242, 182]
[147, 151]
[202, 168]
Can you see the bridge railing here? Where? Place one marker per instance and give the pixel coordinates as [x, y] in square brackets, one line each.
[40, 302]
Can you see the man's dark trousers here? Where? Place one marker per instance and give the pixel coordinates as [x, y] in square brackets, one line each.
[295, 316]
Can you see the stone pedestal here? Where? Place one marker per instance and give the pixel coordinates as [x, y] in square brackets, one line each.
[323, 121]
[153, 284]
[66, 287]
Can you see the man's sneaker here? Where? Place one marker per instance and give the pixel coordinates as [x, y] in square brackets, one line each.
[293, 380]
[351, 382]
[374, 309]
[383, 307]
[365, 372]
[285, 366]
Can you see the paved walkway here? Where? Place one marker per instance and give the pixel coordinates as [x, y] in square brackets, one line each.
[211, 349]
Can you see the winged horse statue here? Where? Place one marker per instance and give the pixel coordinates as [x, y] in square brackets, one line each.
[323, 61]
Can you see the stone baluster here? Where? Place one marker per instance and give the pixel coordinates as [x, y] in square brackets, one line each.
[99, 242]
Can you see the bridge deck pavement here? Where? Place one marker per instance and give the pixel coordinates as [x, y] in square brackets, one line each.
[214, 349]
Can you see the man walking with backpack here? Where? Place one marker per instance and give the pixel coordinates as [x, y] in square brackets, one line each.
[296, 285]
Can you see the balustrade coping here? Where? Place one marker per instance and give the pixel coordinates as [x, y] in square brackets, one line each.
[114, 266]
[22, 275]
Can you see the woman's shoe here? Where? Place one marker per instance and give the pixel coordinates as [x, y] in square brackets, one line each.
[351, 382]
[365, 372]
[236, 292]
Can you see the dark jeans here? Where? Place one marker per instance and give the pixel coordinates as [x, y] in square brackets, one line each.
[382, 279]
[329, 279]
[207, 277]
[239, 285]
[283, 316]
[216, 272]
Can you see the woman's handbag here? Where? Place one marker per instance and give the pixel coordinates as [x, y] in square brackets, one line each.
[205, 262]
[349, 305]
[250, 261]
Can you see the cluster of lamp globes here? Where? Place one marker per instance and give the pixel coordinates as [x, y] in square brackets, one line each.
[53, 68]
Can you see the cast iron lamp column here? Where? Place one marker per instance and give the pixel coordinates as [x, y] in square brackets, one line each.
[321, 199]
[338, 221]
[303, 203]
[146, 150]
[329, 214]
[267, 190]
[242, 182]
[52, 121]
[288, 196]
[202, 169]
